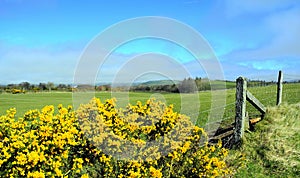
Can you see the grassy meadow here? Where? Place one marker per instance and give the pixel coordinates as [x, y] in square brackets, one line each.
[267, 95]
[271, 151]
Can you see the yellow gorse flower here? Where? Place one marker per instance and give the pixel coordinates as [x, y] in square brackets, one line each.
[65, 143]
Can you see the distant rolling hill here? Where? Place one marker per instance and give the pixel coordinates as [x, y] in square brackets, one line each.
[205, 84]
[160, 82]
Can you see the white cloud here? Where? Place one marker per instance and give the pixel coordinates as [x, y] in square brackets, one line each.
[35, 65]
[146, 66]
[286, 27]
[236, 8]
[265, 64]
[281, 51]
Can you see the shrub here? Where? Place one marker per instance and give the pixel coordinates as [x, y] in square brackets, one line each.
[17, 91]
[100, 140]
[39, 144]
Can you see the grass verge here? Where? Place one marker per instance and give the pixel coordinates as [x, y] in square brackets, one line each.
[273, 150]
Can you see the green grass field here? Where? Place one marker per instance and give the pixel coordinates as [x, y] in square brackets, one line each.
[267, 95]
[271, 151]
[25, 102]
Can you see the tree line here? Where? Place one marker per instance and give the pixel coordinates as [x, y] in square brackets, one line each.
[188, 85]
[28, 87]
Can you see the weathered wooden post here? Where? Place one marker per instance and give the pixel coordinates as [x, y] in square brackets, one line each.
[279, 88]
[240, 108]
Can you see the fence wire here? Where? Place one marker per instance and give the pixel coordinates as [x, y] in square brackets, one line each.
[264, 88]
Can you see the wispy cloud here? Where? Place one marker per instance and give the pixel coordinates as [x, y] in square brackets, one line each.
[280, 49]
[249, 37]
[37, 65]
[235, 8]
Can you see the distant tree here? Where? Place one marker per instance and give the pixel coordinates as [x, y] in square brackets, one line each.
[42, 86]
[105, 88]
[50, 86]
[198, 82]
[69, 88]
[108, 88]
[62, 87]
[32, 86]
[25, 85]
[11, 86]
[147, 88]
[188, 86]
[174, 88]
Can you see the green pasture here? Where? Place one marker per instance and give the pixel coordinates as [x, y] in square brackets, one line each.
[271, 151]
[267, 95]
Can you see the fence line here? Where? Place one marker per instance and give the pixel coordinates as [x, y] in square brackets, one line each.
[244, 116]
[243, 95]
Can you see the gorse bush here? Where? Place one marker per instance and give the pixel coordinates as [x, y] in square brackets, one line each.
[39, 144]
[101, 140]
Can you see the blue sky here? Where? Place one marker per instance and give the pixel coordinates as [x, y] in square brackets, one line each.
[42, 40]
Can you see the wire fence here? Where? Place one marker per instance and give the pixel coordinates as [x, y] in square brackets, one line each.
[264, 88]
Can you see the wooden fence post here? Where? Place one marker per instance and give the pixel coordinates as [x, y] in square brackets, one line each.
[240, 108]
[279, 88]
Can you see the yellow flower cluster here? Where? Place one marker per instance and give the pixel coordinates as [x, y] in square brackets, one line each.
[101, 140]
[126, 134]
[40, 144]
